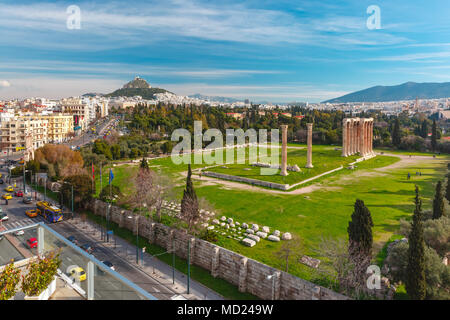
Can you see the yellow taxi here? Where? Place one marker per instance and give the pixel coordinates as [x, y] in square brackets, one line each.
[31, 213]
[9, 189]
[7, 196]
[77, 273]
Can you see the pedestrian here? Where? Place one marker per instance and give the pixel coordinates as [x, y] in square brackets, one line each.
[409, 176]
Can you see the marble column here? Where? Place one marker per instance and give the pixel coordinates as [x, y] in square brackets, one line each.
[344, 137]
[371, 137]
[284, 150]
[309, 154]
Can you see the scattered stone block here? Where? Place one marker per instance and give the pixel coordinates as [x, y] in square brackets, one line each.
[237, 223]
[210, 228]
[310, 262]
[266, 229]
[244, 226]
[276, 233]
[254, 237]
[255, 227]
[273, 238]
[215, 221]
[286, 236]
[232, 225]
[261, 234]
[230, 220]
[250, 231]
[248, 242]
[223, 218]
[227, 226]
[222, 224]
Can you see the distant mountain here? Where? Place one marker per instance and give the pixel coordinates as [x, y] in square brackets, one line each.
[405, 91]
[92, 94]
[137, 87]
[214, 98]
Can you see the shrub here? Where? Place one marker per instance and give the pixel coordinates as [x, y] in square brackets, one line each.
[40, 274]
[9, 278]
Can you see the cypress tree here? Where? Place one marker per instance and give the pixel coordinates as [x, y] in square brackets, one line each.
[415, 277]
[360, 230]
[438, 202]
[396, 138]
[189, 203]
[434, 136]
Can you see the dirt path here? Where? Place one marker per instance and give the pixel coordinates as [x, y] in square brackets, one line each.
[405, 161]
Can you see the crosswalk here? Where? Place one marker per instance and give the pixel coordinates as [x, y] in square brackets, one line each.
[22, 223]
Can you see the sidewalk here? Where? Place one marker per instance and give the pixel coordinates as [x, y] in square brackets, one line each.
[150, 265]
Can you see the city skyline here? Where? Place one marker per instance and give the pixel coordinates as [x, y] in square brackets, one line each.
[264, 51]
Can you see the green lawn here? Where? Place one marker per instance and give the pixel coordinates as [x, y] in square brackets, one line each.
[322, 212]
[324, 159]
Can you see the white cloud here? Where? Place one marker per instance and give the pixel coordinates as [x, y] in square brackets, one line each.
[4, 84]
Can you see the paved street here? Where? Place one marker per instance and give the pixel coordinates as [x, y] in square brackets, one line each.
[151, 275]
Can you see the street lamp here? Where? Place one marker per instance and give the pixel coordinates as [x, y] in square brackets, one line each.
[272, 277]
[71, 185]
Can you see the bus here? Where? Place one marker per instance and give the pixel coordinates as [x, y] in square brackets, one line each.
[49, 212]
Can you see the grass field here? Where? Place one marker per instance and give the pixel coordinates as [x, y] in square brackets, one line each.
[324, 210]
[325, 158]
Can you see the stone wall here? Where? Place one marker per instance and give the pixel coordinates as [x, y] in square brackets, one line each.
[247, 274]
[246, 180]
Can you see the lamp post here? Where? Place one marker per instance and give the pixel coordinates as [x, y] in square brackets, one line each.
[71, 185]
[272, 277]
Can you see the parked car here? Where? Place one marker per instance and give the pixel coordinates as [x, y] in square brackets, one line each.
[19, 233]
[18, 193]
[4, 217]
[27, 199]
[109, 265]
[32, 243]
[73, 240]
[9, 189]
[88, 248]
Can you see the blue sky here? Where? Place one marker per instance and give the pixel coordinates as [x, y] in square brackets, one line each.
[278, 51]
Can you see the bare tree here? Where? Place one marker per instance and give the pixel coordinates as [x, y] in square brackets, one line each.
[290, 250]
[160, 189]
[343, 270]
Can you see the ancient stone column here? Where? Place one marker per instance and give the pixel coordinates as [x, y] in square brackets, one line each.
[371, 137]
[309, 154]
[352, 144]
[365, 139]
[284, 150]
[344, 137]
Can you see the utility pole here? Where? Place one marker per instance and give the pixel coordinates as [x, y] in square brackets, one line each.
[173, 261]
[189, 265]
[72, 200]
[45, 189]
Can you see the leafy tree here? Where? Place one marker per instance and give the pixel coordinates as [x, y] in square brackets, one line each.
[415, 271]
[82, 189]
[396, 136]
[438, 202]
[433, 136]
[113, 189]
